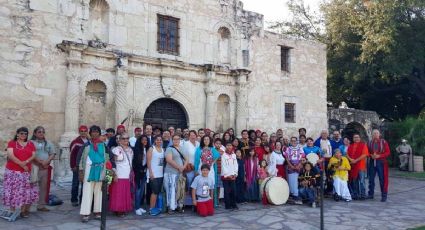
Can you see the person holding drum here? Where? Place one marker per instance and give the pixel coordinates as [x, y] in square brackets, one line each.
[308, 179]
[294, 154]
[277, 162]
[313, 153]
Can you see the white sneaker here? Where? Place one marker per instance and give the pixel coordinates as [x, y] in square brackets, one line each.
[139, 212]
[142, 210]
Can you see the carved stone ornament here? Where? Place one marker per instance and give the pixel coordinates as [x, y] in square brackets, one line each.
[97, 44]
[168, 86]
[224, 5]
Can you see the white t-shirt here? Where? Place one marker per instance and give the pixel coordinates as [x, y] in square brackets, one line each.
[189, 151]
[123, 161]
[133, 141]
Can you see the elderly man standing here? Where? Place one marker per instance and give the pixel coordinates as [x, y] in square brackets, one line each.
[378, 164]
[404, 153]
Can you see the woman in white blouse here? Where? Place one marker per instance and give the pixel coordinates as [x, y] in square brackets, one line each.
[277, 162]
[121, 200]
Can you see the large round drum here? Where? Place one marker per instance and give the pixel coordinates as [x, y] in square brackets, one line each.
[312, 158]
[276, 189]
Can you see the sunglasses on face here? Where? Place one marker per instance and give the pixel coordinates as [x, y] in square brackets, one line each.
[125, 138]
[41, 132]
[26, 134]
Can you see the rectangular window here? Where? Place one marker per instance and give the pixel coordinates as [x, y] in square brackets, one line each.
[168, 34]
[290, 112]
[284, 58]
[245, 58]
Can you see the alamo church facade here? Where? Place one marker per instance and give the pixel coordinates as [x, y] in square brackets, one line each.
[186, 63]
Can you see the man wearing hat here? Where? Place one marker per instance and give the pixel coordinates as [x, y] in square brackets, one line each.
[404, 153]
[137, 134]
[75, 147]
[113, 140]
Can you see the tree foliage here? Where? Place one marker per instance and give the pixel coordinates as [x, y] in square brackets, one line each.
[376, 51]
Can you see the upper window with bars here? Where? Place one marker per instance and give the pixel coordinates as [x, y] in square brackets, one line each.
[168, 34]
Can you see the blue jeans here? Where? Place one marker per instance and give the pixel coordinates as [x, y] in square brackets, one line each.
[379, 167]
[358, 186]
[140, 192]
[74, 187]
[307, 193]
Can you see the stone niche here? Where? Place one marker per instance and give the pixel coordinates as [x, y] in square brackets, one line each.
[99, 20]
[94, 104]
[223, 113]
[224, 45]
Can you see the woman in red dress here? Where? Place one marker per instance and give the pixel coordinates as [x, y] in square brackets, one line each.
[18, 191]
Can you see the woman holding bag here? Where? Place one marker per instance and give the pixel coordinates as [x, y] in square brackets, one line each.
[44, 154]
[173, 176]
[121, 200]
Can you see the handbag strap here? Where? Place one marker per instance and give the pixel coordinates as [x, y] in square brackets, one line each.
[181, 155]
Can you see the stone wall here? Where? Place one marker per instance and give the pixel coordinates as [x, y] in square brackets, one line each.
[51, 49]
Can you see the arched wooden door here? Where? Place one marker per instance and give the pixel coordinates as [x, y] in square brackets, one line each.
[165, 112]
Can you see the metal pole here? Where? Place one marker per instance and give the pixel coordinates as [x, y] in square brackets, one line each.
[322, 188]
[104, 205]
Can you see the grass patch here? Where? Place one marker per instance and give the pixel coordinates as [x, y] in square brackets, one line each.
[418, 228]
[413, 175]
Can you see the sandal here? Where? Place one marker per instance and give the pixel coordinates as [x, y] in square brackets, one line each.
[85, 219]
[97, 216]
[24, 214]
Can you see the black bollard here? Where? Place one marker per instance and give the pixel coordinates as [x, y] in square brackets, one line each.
[322, 189]
[104, 205]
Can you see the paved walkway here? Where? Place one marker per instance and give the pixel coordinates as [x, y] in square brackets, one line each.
[405, 208]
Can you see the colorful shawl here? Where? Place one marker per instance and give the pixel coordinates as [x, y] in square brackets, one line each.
[97, 157]
[251, 170]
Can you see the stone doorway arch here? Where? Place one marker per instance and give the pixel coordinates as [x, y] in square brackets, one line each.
[355, 127]
[166, 112]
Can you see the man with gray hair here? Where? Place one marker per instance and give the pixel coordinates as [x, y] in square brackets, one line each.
[378, 164]
[404, 153]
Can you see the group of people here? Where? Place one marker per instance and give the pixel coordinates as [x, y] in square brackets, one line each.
[170, 169]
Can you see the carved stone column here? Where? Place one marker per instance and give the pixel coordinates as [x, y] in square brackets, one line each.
[210, 104]
[242, 101]
[121, 80]
[72, 113]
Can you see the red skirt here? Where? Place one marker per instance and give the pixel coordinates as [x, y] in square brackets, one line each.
[281, 171]
[120, 196]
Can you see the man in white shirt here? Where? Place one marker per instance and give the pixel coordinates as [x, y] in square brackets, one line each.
[189, 149]
[137, 133]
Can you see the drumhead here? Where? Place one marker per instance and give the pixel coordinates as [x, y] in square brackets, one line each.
[277, 190]
[312, 158]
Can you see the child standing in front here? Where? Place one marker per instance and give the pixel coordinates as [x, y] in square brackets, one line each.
[240, 180]
[203, 192]
[229, 172]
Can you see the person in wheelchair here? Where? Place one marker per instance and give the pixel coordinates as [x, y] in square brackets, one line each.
[308, 181]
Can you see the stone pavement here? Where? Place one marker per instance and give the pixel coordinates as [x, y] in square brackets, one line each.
[405, 208]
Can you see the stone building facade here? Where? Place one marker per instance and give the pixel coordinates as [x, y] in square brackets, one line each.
[187, 63]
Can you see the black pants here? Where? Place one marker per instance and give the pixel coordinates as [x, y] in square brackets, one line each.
[229, 194]
[74, 188]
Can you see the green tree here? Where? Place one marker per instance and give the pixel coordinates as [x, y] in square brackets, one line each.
[376, 51]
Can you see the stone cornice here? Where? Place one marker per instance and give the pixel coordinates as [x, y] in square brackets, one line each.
[137, 63]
